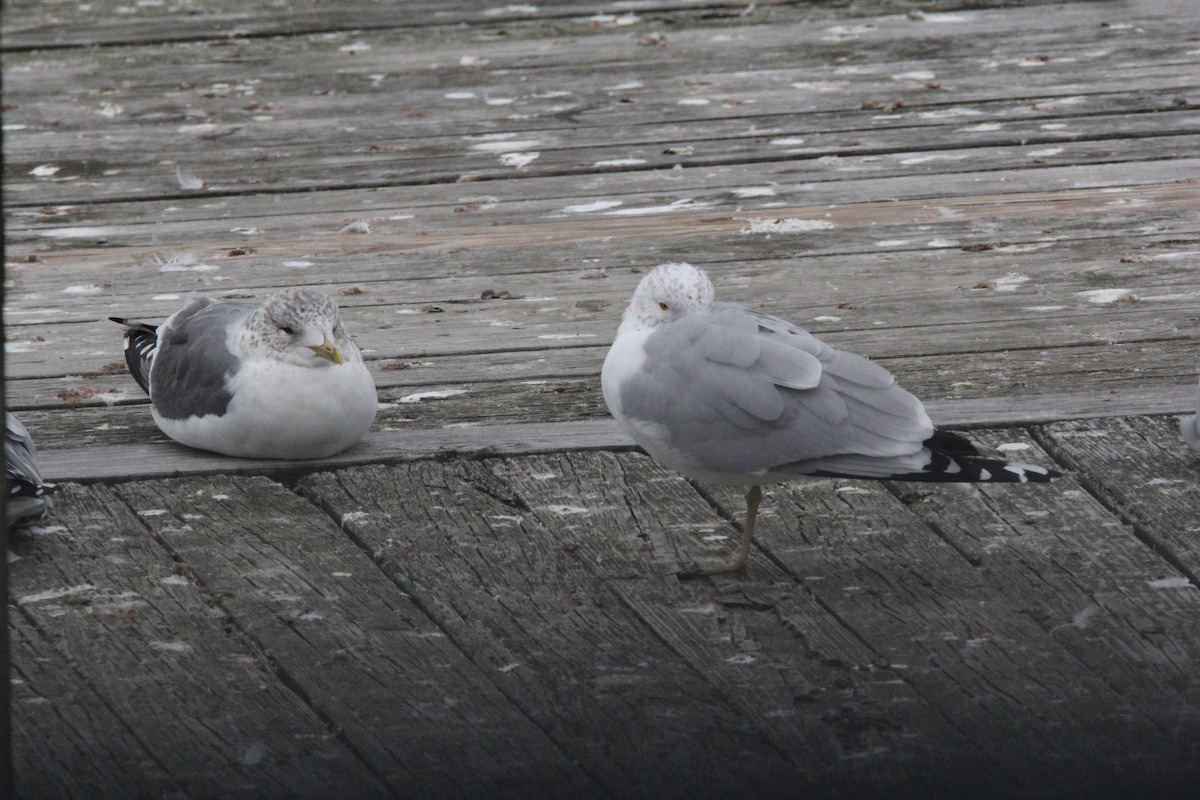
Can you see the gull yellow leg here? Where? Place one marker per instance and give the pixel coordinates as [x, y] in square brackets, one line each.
[753, 496]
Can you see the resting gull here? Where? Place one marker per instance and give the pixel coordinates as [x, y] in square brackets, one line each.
[729, 395]
[26, 492]
[280, 380]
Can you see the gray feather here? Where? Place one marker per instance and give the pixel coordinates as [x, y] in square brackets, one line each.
[193, 363]
[792, 399]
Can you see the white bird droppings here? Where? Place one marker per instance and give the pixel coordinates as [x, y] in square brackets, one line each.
[598, 205]
[566, 510]
[620, 162]
[759, 225]
[1108, 296]
[431, 395]
[518, 160]
[1171, 583]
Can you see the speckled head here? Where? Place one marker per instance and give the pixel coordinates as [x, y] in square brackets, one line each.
[300, 305]
[667, 293]
[299, 323]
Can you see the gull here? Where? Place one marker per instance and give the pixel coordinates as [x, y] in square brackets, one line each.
[27, 494]
[280, 380]
[1189, 427]
[729, 395]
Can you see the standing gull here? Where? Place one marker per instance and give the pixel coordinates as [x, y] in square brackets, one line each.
[1189, 427]
[280, 380]
[729, 395]
[26, 491]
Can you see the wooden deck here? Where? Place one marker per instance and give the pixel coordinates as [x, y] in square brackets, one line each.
[1000, 204]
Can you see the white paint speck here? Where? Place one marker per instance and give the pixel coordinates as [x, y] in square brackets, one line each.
[509, 146]
[598, 205]
[459, 95]
[77, 233]
[434, 394]
[566, 510]
[826, 318]
[914, 75]
[755, 191]
[620, 162]
[1045, 152]
[693, 101]
[56, 594]
[512, 9]
[1010, 282]
[1171, 583]
[1106, 296]
[45, 170]
[518, 160]
[298, 264]
[759, 225]
[949, 113]
[788, 141]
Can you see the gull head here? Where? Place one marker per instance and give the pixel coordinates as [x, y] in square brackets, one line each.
[301, 327]
[668, 292]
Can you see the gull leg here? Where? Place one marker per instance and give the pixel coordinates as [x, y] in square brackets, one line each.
[753, 496]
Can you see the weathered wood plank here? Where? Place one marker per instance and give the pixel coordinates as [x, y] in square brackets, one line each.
[144, 453]
[150, 643]
[959, 633]
[563, 385]
[67, 741]
[1140, 468]
[358, 649]
[622, 515]
[1127, 614]
[243, 167]
[67, 27]
[509, 591]
[529, 535]
[251, 156]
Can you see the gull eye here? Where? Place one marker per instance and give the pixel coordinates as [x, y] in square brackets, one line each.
[664, 306]
[287, 329]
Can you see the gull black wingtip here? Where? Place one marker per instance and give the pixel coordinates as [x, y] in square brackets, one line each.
[141, 341]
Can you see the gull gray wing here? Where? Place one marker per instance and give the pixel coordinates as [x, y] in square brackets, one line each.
[193, 363]
[745, 392]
